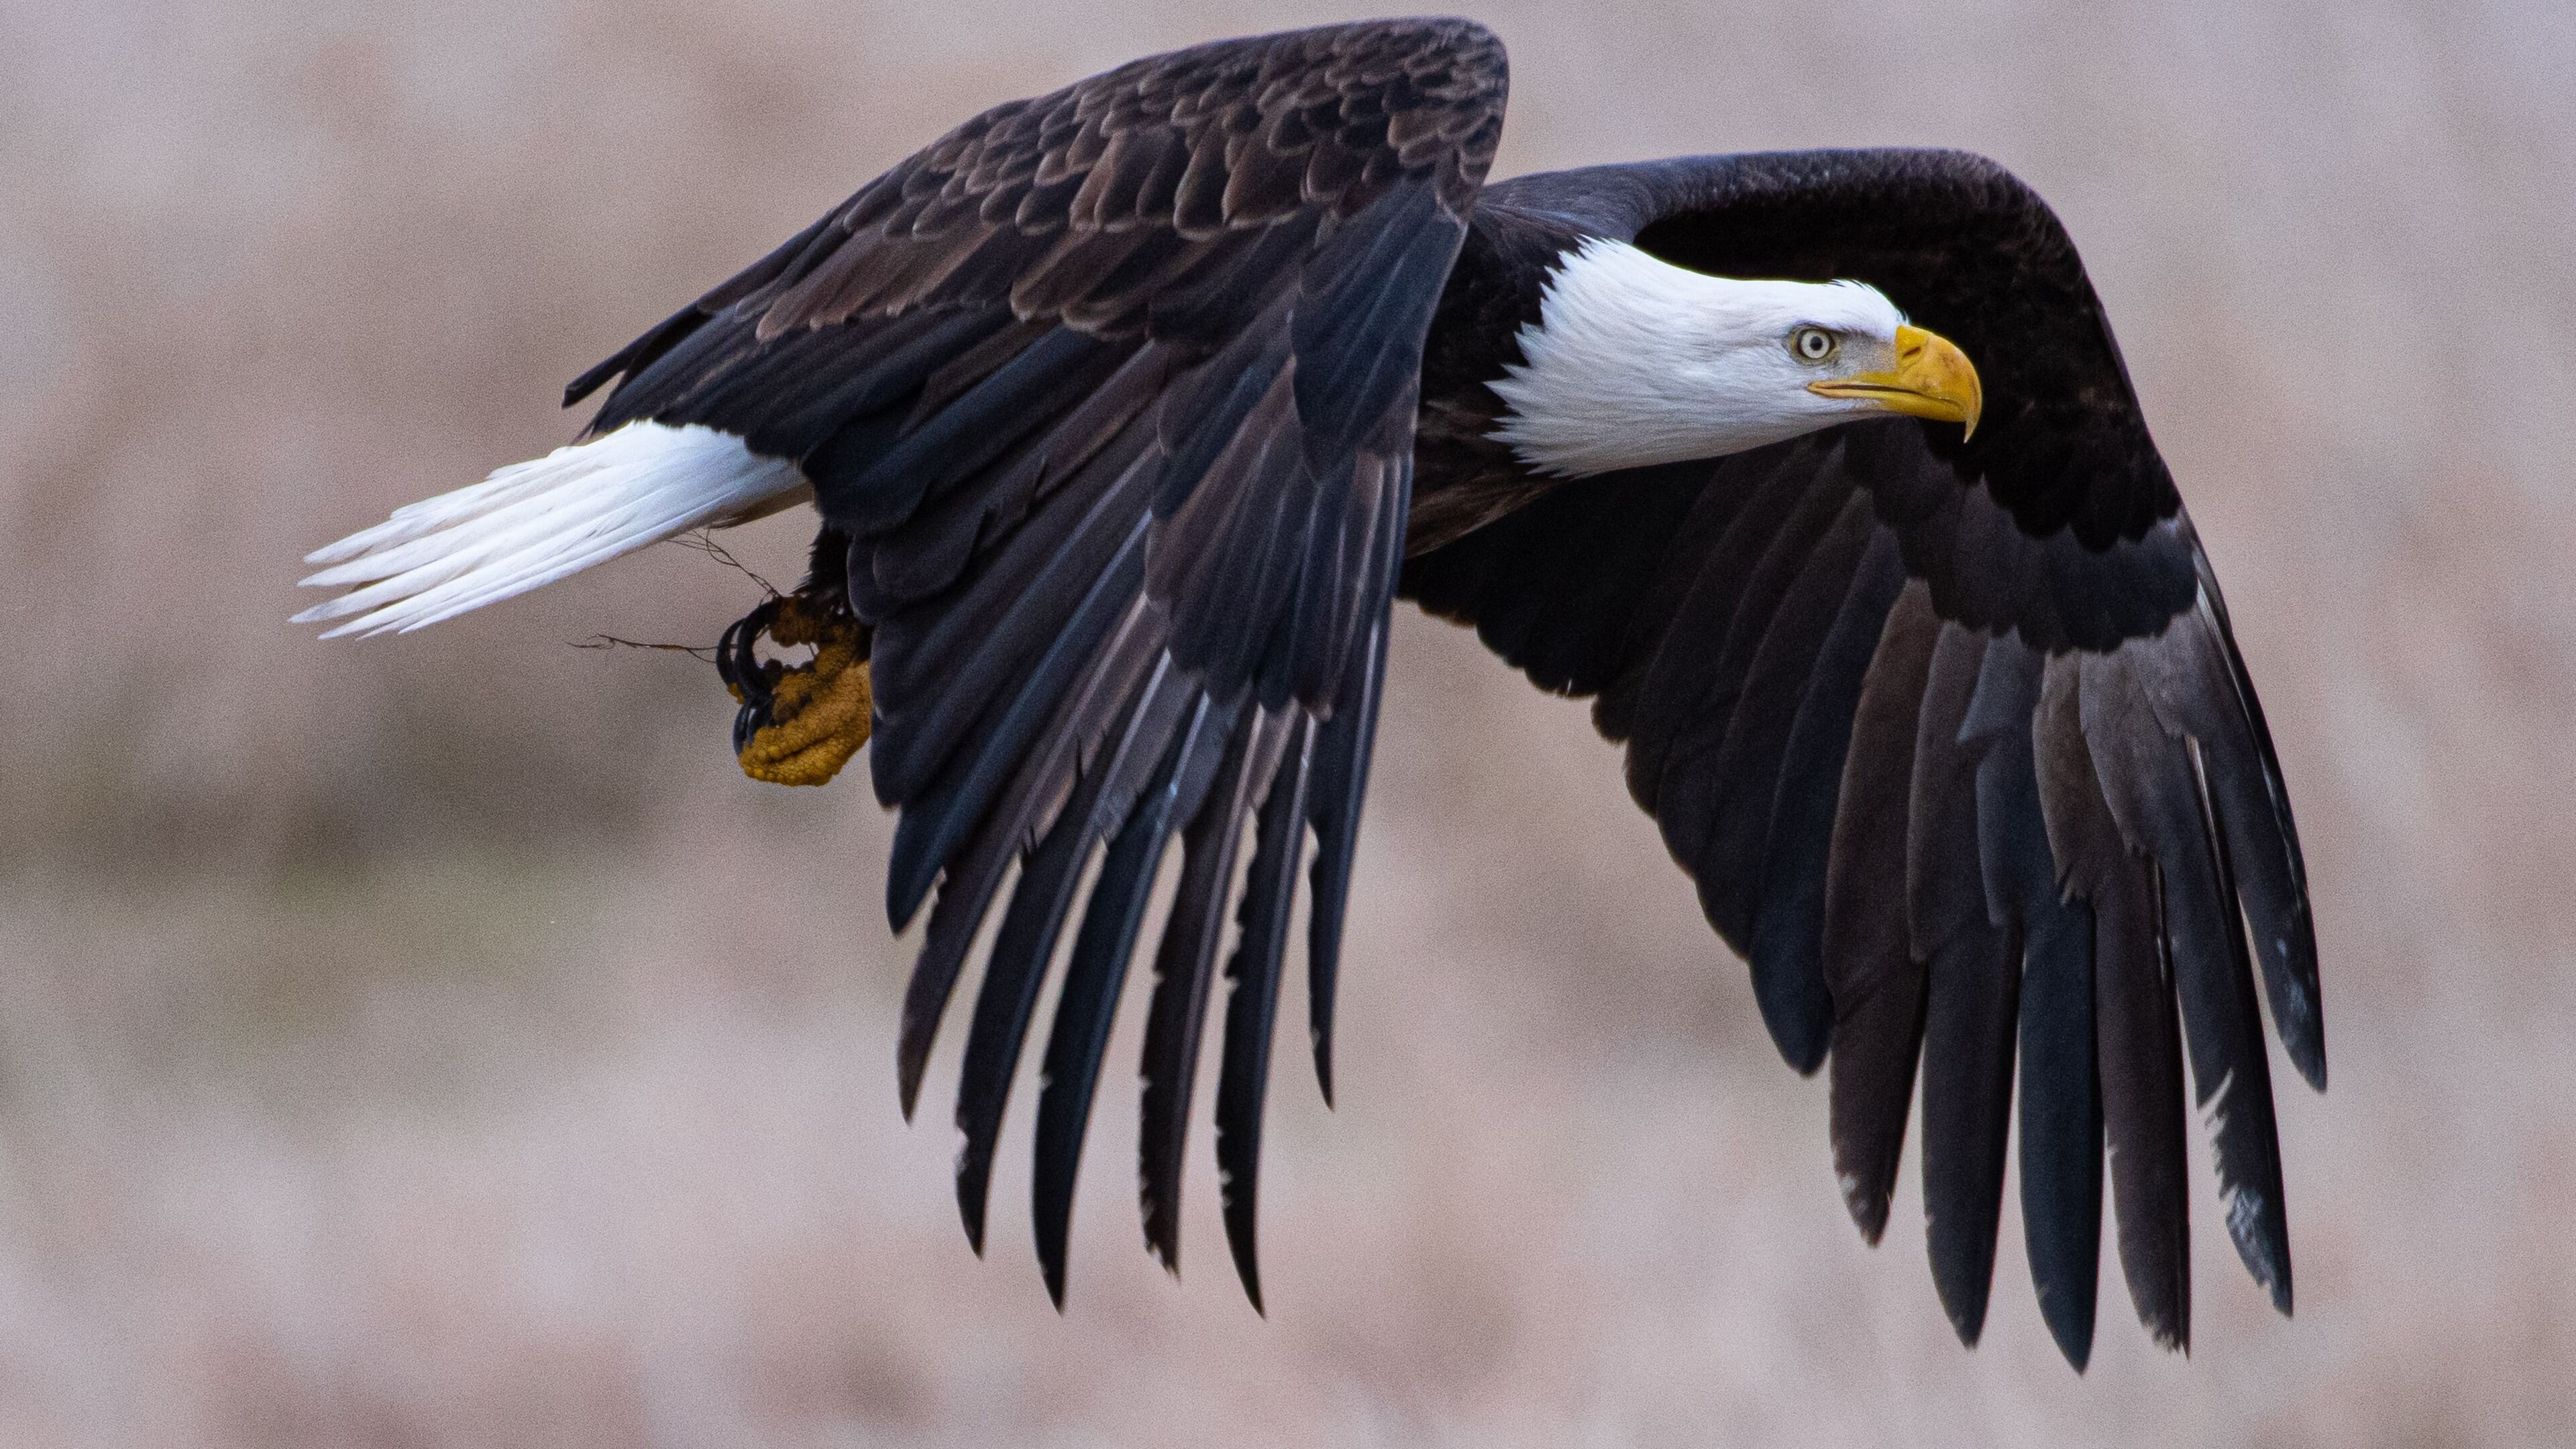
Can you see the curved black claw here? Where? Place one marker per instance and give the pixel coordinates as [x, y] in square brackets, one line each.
[739, 665]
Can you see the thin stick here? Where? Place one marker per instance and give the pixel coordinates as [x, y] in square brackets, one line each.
[705, 653]
[704, 541]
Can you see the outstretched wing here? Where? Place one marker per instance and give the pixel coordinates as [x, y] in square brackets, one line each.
[1953, 736]
[1107, 399]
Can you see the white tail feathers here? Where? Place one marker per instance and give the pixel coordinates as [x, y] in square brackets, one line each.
[535, 522]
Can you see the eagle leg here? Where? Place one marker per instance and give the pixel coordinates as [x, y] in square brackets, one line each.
[798, 725]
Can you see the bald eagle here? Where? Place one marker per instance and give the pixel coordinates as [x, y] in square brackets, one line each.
[1129, 409]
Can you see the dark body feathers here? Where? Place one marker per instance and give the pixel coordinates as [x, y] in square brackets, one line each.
[1113, 402]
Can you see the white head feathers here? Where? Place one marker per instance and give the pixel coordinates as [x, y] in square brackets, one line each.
[1635, 361]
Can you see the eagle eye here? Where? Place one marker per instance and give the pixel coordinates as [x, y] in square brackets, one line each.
[1812, 344]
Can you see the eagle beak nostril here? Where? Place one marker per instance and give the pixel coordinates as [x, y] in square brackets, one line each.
[1932, 379]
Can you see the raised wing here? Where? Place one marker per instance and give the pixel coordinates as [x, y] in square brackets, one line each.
[1107, 399]
[1954, 737]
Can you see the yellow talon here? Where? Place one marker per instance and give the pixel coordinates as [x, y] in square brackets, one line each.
[819, 711]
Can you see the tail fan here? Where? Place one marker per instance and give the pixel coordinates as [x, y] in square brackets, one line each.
[532, 523]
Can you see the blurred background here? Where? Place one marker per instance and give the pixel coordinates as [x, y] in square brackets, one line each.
[436, 1041]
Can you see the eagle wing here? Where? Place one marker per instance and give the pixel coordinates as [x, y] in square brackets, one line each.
[1953, 736]
[1107, 399]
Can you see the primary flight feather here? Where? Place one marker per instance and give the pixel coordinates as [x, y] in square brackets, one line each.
[1128, 411]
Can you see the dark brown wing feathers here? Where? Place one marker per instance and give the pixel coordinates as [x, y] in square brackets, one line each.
[1109, 395]
[1866, 954]
[1953, 737]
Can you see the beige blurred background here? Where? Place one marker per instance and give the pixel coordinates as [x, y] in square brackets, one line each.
[438, 1042]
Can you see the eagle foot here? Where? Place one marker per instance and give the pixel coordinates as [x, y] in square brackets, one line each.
[799, 724]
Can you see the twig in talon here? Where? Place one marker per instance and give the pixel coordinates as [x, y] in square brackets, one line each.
[704, 652]
[704, 542]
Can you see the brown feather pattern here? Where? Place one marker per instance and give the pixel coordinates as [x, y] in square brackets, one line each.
[1111, 393]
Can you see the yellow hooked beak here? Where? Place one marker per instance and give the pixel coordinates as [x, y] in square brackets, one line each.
[1932, 379]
